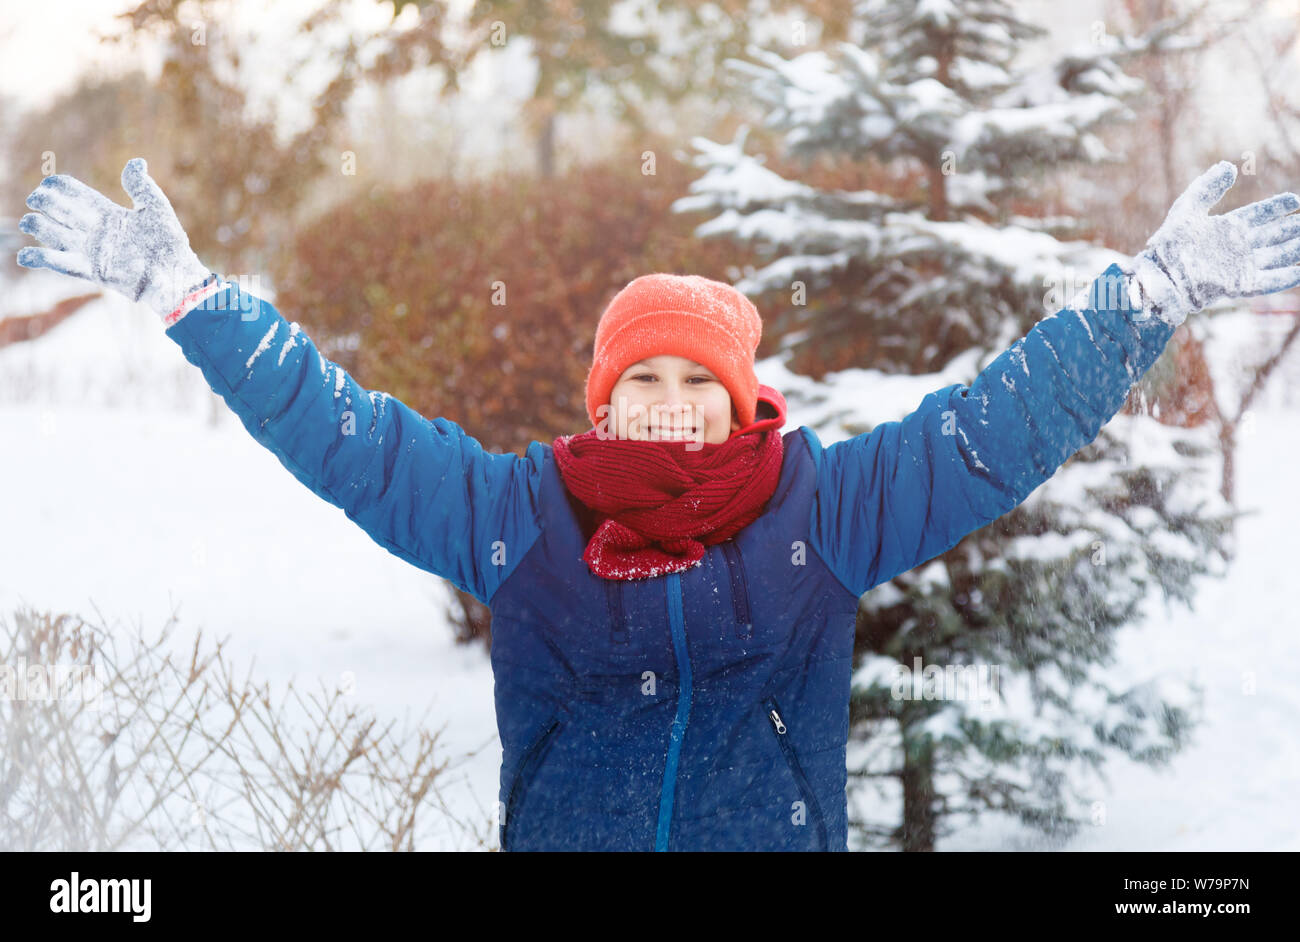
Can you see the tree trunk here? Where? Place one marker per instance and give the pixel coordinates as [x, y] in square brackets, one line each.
[918, 794]
[938, 193]
[938, 183]
[1228, 426]
[1228, 445]
[476, 622]
[546, 146]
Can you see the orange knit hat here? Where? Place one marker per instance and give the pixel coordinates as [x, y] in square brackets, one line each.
[678, 315]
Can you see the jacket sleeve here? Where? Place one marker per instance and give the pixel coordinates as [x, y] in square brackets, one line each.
[423, 489]
[908, 490]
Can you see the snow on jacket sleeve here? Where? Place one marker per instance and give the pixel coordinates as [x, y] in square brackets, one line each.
[422, 489]
[908, 490]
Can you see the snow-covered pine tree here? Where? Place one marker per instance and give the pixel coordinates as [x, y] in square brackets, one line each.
[916, 283]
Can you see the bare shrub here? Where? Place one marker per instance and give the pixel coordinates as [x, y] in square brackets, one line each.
[137, 749]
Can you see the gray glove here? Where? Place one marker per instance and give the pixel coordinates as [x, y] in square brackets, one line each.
[142, 253]
[1194, 259]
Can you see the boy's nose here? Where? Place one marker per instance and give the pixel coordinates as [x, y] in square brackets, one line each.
[673, 396]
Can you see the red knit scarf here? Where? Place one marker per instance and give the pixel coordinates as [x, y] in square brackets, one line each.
[659, 504]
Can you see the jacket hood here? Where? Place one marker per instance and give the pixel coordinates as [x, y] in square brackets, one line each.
[769, 412]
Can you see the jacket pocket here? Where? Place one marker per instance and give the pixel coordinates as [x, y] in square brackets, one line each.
[776, 720]
[528, 766]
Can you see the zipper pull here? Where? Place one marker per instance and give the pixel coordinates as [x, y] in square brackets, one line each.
[776, 720]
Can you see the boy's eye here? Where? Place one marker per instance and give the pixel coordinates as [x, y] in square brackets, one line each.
[706, 379]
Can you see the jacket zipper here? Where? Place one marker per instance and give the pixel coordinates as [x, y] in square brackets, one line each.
[739, 590]
[525, 769]
[814, 809]
[677, 624]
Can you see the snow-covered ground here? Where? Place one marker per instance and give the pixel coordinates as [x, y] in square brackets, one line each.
[128, 493]
[122, 496]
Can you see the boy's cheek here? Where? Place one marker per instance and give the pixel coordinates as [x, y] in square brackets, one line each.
[628, 419]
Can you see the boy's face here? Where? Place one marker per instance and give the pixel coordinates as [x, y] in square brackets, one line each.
[670, 397]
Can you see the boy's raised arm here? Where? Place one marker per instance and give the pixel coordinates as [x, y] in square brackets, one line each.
[909, 490]
[423, 489]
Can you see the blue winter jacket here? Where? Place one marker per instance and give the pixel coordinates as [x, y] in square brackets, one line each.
[703, 710]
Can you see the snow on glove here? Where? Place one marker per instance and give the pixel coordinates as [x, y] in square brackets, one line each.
[142, 253]
[1194, 258]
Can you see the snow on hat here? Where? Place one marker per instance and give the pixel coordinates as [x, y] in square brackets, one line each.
[678, 315]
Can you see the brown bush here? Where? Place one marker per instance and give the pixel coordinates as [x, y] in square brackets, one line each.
[31, 326]
[398, 287]
[1178, 390]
